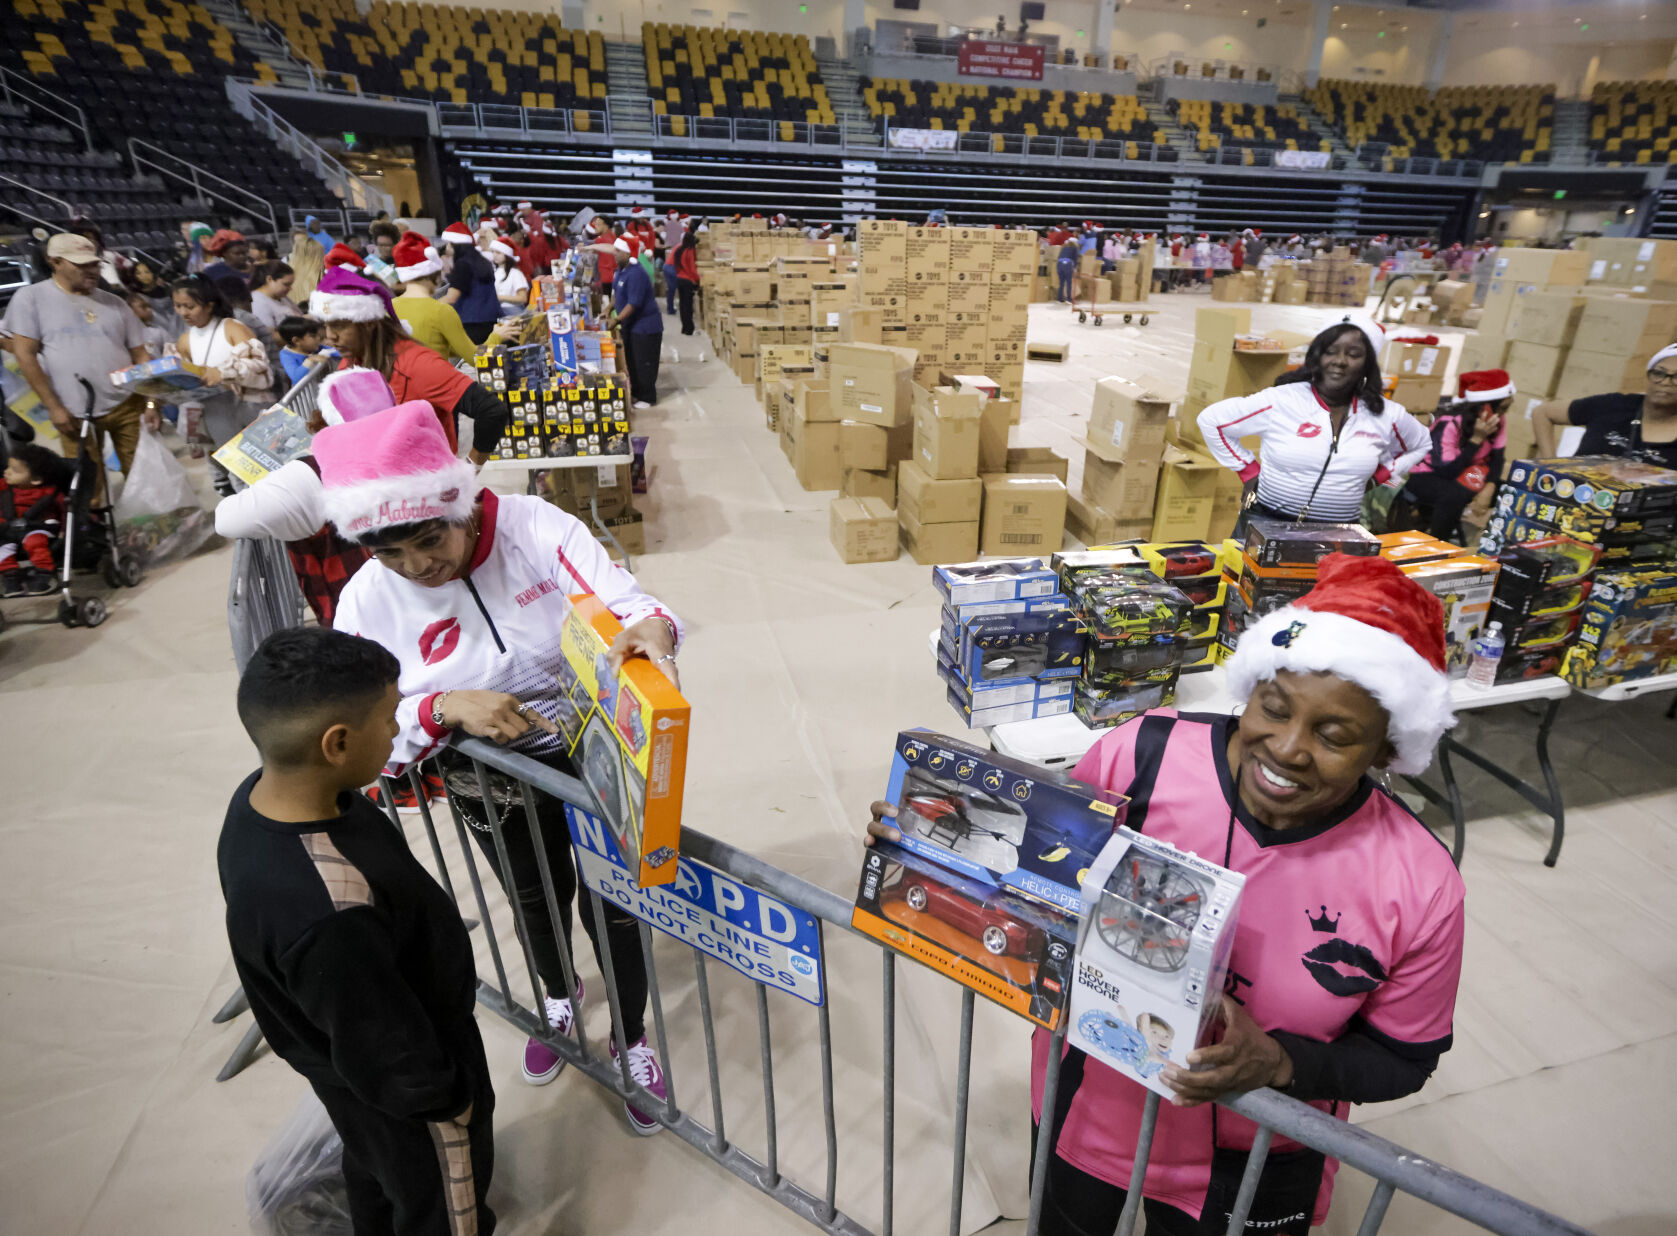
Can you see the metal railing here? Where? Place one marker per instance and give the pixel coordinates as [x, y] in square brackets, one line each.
[289, 138]
[528, 121]
[1037, 146]
[67, 211]
[1395, 1169]
[204, 184]
[16, 88]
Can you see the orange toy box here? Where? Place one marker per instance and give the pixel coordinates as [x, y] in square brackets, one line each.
[628, 740]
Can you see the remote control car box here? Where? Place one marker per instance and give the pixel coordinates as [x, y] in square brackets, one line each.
[1279, 542]
[628, 739]
[994, 579]
[996, 819]
[1152, 954]
[1005, 946]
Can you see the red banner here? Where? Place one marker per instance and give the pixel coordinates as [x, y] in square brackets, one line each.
[985, 58]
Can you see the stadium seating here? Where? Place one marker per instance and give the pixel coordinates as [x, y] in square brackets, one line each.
[1630, 122]
[446, 52]
[1511, 124]
[1245, 125]
[703, 71]
[153, 70]
[1009, 109]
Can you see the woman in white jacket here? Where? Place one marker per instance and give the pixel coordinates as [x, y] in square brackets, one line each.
[469, 591]
[1326, 432]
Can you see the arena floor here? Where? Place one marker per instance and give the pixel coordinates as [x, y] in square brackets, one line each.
[121, 747]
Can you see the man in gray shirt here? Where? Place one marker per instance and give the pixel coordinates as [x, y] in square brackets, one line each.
[65, 328]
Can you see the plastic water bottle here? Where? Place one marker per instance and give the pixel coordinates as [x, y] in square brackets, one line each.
[1487, 652]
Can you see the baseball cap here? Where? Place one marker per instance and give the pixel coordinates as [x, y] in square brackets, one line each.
[76, 249]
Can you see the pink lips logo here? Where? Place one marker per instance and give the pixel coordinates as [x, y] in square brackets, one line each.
[438, 640]
[1307, 430]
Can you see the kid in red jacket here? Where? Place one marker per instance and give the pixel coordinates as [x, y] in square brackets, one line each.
[31, 516]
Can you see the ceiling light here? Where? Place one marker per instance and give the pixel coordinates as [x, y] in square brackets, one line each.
[1630, 210]
[1344, 25]
[1577, 20]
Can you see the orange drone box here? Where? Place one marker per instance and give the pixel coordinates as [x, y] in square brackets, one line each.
[628, 740]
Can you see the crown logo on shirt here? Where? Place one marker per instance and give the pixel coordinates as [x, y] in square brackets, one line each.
[1324, 923]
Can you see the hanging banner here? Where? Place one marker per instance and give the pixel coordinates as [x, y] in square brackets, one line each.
[1313, 160]
[988, 58]
[922, 139]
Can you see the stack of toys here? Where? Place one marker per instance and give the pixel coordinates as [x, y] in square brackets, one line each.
[1137, 626]
[1277, 565]
[1628, 628]
[1539, 601]
[567, 415]
[984, 883]
[1463, 581]
[1627, 507]
[1010, 645]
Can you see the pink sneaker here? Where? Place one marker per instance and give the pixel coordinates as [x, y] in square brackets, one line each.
[644, 1069]
[541, 1063]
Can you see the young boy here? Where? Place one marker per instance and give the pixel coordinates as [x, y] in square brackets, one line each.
[156, 338]
[356, 963]
[303, 339]
[31, 515]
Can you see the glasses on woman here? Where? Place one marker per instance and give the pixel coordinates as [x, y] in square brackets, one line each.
[1663, 377]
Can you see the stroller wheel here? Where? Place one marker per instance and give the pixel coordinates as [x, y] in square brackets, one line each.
[67, 614]
[108, 570]
[91, 611]
[131, 572]
[1082, 316]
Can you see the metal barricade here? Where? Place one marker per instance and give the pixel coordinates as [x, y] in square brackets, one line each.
[1394, 1169]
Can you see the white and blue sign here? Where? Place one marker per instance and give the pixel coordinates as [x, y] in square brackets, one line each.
[761, 936]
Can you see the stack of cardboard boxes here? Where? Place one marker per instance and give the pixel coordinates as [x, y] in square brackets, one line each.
[1419, 369]
[1337, 278]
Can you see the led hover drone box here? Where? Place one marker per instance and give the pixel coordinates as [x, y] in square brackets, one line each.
[997, 820]
[1152, 953]
[627, 736]
[1010, 948]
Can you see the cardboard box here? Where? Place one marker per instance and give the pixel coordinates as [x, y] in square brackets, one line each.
[627, 735]
[1548, 318]
[1534, 367]
[866, 483]
[813, 448]
[1600, 373]
[1022, 514]
[1047, 351]
[1482, 351]
[871, 383]
[1220, 371]
[861, 446]
[1417, 360]
[1094, 526]
[1130, 418]
[862, 529]
[1037, 461]
[932, 544]
[1547, 268]
[947, 430]
[1626, 326]
[860, 324]
[995, 419]
[1419, 396]
[928, 500]
[1125, 490]
[1187, 491]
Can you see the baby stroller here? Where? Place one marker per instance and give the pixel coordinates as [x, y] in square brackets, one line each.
[89, 540]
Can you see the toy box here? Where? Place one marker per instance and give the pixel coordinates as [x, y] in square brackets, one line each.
[1005, 946]
[1129, 605]
[979, 713]
[1070, 565]
[1601, 483]
[1628, 629]
[1003, 579]
[1001, 648]
[165, 379]
[995, 819]
[1152, 954]
[1586, 522]
[1099, 708]
[265, 445]
[1465, 585]
[955, 617]
[1276, 542]
[627, 735]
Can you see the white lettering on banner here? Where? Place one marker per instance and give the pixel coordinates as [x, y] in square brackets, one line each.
[762, 937]
[1311, 159]
[923, 139]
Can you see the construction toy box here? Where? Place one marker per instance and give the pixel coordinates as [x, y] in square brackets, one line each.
[1628, 630]
[627, 735]
[1001, 821]
[1464, 585]
[1152, 954]
[1005, 946]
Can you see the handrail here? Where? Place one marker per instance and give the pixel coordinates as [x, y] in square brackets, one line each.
[144, 154]
[71, 115]
[69, 210]
[339, 179]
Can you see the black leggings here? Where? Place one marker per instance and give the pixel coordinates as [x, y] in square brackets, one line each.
[1075, 1203]
[1439, 503]
[622, 929]
[687, 289]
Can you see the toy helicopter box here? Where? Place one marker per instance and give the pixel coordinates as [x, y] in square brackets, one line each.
[1152, 953]
[627, 736]
[1007, 947]
[1000, 821]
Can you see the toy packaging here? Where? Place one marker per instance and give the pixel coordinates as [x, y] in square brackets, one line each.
[998, 820]
[1628, 629]
[628, 739]
[955, 617]
[1276, 542]
[265, 445]
[1005, 579]
[1152, 954]
[165, 379]
[1005, 946]
[1103, 707]
[1003, 648]
[1465, 585]
[1603, 483]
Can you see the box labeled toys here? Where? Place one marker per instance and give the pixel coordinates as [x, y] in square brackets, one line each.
[1152, 954]
[627, 735]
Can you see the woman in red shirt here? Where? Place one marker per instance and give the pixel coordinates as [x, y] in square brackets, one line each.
[687, 277]
[362, 324]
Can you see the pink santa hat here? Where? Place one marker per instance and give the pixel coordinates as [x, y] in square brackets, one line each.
[353, 394]
[392, 468]
[344, 296]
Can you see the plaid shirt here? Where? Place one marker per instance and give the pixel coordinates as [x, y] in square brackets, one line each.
[323, 564]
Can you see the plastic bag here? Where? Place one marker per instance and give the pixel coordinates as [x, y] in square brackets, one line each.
[296, 1186]
[158, 515]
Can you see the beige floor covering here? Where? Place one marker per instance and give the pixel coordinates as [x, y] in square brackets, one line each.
[121, 746]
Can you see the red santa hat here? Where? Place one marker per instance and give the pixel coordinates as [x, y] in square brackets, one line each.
[627, 245]
[1485, 386]
[1367, 622]
[456, 234]
[523, 206]
[1202, 238]
[500, 246]
[341, 254]
[415, 257]
[391, 468]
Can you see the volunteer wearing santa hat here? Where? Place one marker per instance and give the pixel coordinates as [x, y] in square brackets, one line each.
[641, 324]
[1326, 431]
[471, 283]
[1640, 427]
[341, 254]
[1466, 455]
[361, 323]
[430, 321]
[469, 592]
[512, 289]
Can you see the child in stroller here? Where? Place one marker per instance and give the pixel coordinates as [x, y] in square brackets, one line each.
[32, 513]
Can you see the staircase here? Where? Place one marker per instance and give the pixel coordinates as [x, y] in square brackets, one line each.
[1570, 142]
[844, 91]
[1176, 137]
[631, 110]
[266, 47]
[1317, 123]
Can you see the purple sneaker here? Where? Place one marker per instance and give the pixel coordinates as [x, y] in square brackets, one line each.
[541, 1063]
[644, 1069]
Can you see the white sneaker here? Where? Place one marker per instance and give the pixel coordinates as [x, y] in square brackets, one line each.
[640, 405]
[645, 1070]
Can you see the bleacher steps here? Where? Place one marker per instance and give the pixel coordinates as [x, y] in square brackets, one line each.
[1569, 142]
[631, 109]
[259, 42]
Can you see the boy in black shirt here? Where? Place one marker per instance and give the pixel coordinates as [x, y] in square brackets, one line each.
[356, 963]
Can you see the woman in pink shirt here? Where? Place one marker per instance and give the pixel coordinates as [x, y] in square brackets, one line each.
[1342, 980]
[1468, 444]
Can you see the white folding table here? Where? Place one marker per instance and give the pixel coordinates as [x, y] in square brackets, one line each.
[533, 468]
